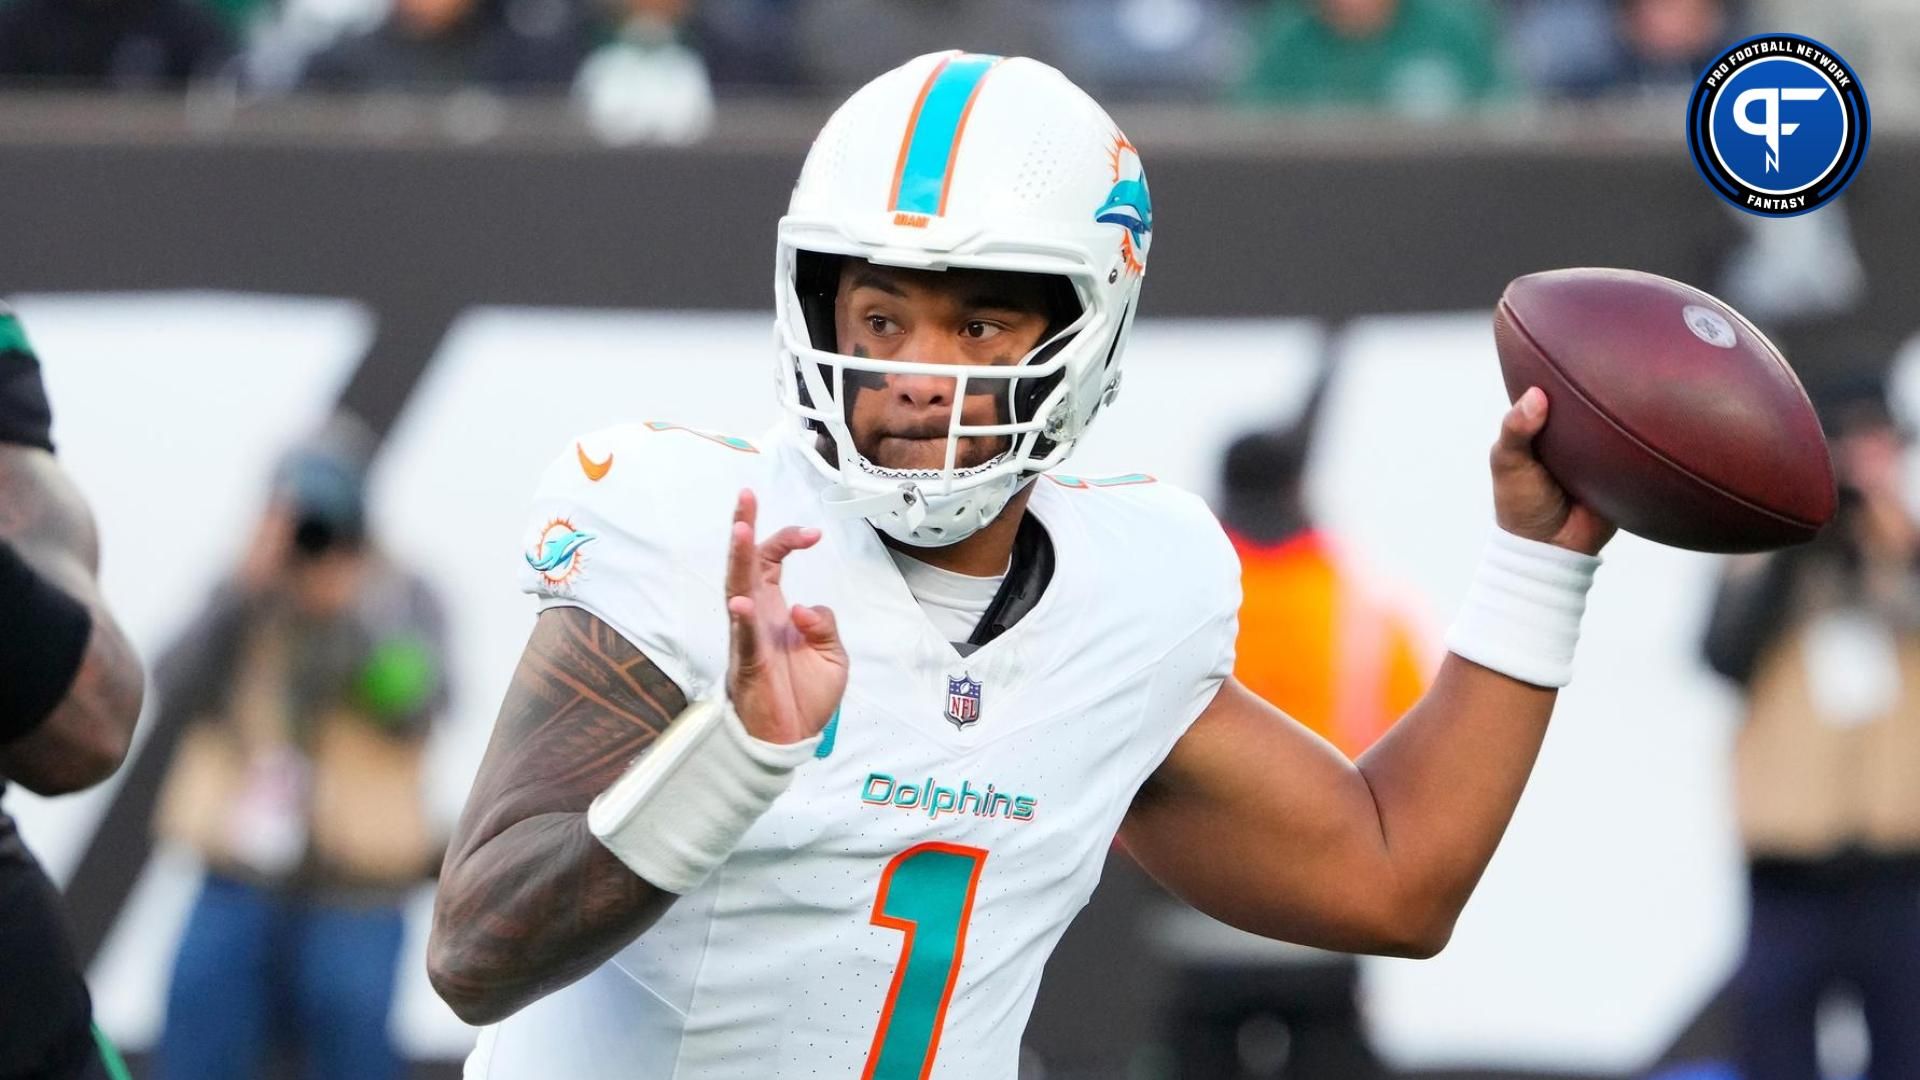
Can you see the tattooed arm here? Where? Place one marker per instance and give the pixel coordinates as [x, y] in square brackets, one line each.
[529, 901]
[84, 739]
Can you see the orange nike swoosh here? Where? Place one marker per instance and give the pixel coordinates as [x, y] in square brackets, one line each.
[595, 470]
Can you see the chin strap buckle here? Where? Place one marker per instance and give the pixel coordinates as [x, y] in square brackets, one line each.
[843, 501]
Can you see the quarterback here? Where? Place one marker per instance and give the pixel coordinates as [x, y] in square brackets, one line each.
[821, 737]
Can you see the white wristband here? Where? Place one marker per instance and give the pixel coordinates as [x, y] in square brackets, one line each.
[679, 811]
[1522, 613]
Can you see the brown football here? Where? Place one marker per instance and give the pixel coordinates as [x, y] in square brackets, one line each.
[1668, 413]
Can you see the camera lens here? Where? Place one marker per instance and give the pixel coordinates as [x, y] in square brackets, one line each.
[313, 535]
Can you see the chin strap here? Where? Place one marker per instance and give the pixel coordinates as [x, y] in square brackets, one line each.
[843, 501]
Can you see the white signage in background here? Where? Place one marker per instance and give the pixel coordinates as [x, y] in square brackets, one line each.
[1610, 913]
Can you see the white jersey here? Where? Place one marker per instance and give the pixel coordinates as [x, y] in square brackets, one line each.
[889, 916]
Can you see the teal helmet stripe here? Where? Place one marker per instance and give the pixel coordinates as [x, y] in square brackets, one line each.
[933, 133]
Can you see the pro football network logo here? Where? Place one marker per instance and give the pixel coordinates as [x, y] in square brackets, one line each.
[556, 555]
[963, 701]
[1778, 125]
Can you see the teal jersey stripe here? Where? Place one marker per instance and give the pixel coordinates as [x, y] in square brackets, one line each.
[934, 141]
[110, 1056]
[13, 337]
[826, 735]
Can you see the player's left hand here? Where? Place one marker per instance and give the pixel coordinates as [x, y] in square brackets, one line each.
[1527, 500]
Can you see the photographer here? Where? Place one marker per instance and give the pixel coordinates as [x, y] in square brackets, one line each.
[1824, 641]
[309, 680]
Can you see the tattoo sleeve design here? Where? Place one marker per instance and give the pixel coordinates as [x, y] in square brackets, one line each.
[44, 517]
[529, 901]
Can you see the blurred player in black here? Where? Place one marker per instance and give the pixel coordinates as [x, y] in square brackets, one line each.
[70, 689]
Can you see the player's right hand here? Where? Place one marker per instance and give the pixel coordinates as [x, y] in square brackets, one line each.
[1527, 500]
[788, 666]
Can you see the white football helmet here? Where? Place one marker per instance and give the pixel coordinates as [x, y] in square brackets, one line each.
[964, 160]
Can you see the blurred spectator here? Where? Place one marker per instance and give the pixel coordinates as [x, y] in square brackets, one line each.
[1420, 58]
[239, 16]
[843, 43]
[1668, 42]
[1609, 48]
[1566, 48]
[110, 44]
[1824, 639]
[748, 43]
[515, 45]
[1318, 640]
[647, 85]
[307, 685]
[280, 37]
[1158, 49]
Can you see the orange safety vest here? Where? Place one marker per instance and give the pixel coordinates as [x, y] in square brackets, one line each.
[1317, 642]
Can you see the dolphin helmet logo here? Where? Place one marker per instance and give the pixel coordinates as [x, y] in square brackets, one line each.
[555, 554]
[1129, 205]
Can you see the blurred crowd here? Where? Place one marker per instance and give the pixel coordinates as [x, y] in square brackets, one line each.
[651, 69]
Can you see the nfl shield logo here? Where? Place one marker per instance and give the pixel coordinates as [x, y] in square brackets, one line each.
[963, 700]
